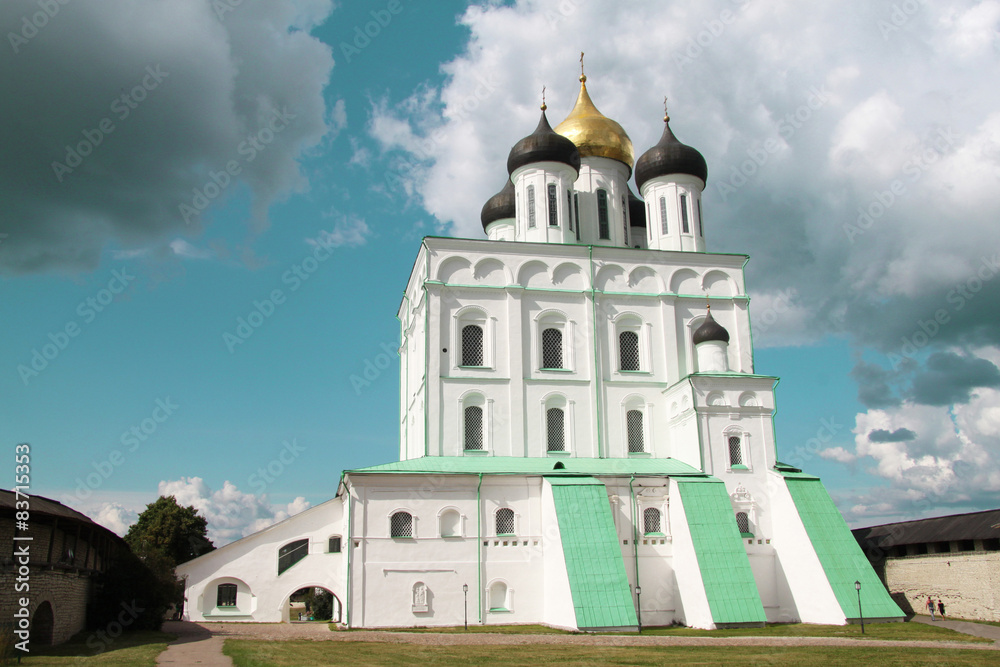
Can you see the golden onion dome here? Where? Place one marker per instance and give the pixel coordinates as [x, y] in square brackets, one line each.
[594, 133]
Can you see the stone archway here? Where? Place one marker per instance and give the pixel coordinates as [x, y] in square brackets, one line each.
[309, 600]
[42, 625]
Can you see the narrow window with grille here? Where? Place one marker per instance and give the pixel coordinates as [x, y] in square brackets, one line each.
[555, 430]
[649, 219]
[684, 215]
[401, 525]
[633, 421]
[663, 214]
[701, 227]
[603, 226]
[743, 523]
[628, 351]
[505, 521]
[553, 209]
[472, 345]
[651, 521]
[473, 427]
[625, 220]
[531, 206]
[552, 353]
[569, 209]
[576, 214]
[735, 451]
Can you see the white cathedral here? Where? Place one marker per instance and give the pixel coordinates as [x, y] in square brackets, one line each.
[584, 442]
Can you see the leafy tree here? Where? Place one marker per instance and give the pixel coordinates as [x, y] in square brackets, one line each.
[174, 532]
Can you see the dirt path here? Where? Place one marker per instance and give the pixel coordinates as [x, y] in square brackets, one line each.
[319, 632]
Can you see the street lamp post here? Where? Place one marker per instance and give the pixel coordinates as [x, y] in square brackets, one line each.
[465, 590]
[857, 587]
[638, 604]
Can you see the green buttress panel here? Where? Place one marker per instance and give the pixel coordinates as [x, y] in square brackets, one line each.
[597, 579]
[839, 553]
[725, 568]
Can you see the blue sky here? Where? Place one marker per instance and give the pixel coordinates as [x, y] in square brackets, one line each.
[273, 164]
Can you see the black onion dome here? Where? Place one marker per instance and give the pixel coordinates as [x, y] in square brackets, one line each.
[710, 330]
[500, 206]
[636, 211]
[669, 156]
[543, 145]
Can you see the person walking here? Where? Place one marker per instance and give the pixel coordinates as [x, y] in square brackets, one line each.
[941, 609]
[930, 606]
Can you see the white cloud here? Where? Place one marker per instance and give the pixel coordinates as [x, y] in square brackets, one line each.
[231, 513]
[838, 454]
[116, 517]
[348, 230]
[184, 249]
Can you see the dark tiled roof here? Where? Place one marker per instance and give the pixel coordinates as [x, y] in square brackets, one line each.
[971, 526]
[41, 506]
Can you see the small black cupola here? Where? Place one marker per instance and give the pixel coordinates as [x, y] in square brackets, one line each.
[710, 330]
[500, 206]
[543, 145]
[669, 156]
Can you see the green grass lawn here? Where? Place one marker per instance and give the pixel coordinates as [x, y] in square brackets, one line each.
[132, 649]
[249, 653]
[895, 631]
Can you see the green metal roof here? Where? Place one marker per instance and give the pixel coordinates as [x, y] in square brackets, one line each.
[505, 465]
[725, 569]
[839, 553]
[597, 579]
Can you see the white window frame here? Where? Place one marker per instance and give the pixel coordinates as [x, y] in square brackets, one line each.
[413, 524]
[630, 322]
[514, 522]
[508, 597]
[475, 398]
[556, 400]
[554, 320]
[635, 402]
[479, 317]
[461, 522]
[747, 464]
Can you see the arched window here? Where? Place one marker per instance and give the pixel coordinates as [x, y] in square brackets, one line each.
[576, 214]
[401, 525]
[735, 450]
[684, 215]
[628, 351]
[569, 209]
[663, 214]
[226, 596]
[472, 345]
[555, 430]
[743, 524]
[553, 206]
[505, 521]
[473, 428]
[552, 348]
[603, 227]
[651, 521]
[633, 421]
[531, 206]
[498, 597]
[451, 523]
[292, 553]
[624, 221]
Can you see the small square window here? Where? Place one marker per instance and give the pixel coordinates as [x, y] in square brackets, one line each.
[334, 545]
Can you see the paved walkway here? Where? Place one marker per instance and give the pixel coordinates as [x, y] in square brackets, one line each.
[201, 644]
[195, 645]
[965, 627]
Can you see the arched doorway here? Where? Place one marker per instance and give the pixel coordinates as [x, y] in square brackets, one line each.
[313, 603]
[42, 624]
